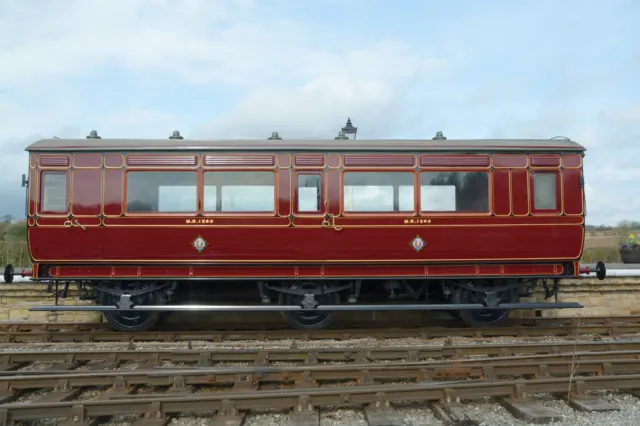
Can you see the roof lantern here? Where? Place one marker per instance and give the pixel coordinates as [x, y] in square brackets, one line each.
[350, 129]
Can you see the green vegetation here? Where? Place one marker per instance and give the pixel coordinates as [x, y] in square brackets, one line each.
[13, 243]
[606, 254]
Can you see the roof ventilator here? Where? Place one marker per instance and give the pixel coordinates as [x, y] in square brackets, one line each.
[93, 135]
[439, 136]
[176, 135]
[341, 135]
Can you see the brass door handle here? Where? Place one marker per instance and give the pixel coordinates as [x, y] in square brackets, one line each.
[325, 222]
[70, 224]
[333, 222]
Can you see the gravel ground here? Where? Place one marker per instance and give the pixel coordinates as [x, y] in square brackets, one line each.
[493, 414]
[490, 414]
[416, 414]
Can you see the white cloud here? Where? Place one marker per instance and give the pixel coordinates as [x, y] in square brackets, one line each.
[70, 37]
[196, 41]
[368, 84]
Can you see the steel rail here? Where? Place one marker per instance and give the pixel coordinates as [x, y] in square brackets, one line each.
[60, 336]
[563, 364]
[11, 360]
[304, 399]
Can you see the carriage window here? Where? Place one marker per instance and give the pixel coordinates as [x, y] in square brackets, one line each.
[544, 191]
[454, 192]
[309, 195]
[378, 192]
[162, 192]
[54, 192]
[239, 192]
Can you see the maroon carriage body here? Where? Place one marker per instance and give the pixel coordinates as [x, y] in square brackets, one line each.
[114, 209]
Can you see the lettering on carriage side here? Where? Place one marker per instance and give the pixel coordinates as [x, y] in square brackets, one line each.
[417, 221]
[199, 221]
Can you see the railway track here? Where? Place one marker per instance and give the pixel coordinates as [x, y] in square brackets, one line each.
[153, 394]
[610, 362]
[443, 374]
[534, 327]
[71, 359]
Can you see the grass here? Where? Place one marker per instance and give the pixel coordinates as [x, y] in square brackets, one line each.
[606, 254]
[608, 238]
[605, 244]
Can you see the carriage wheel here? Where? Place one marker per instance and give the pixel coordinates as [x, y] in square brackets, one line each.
[483, 318]
[308, 320]
[133, 321]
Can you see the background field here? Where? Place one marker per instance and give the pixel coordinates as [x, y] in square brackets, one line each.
[601, 242]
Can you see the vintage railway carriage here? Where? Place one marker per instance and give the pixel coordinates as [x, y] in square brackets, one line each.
[449, 224]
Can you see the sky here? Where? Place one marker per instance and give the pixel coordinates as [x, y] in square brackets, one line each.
[399, 69]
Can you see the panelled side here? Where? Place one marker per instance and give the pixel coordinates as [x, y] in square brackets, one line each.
[426, 209]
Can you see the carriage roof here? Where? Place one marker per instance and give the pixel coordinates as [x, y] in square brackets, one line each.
[387, 145]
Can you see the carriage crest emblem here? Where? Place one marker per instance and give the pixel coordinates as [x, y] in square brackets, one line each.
[199, 244]
[417, 243]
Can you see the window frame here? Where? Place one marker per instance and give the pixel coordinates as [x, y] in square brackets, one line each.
[322, 208]
[490, 207]
[400, 213]
[125, 194]
[276, 192]
[558, 193]
[67, 195]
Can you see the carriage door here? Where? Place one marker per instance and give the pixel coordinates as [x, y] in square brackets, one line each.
[49, 237]
[86, 207]
[310, 204]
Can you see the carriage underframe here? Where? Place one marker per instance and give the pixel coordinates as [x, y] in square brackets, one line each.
[139, 305]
